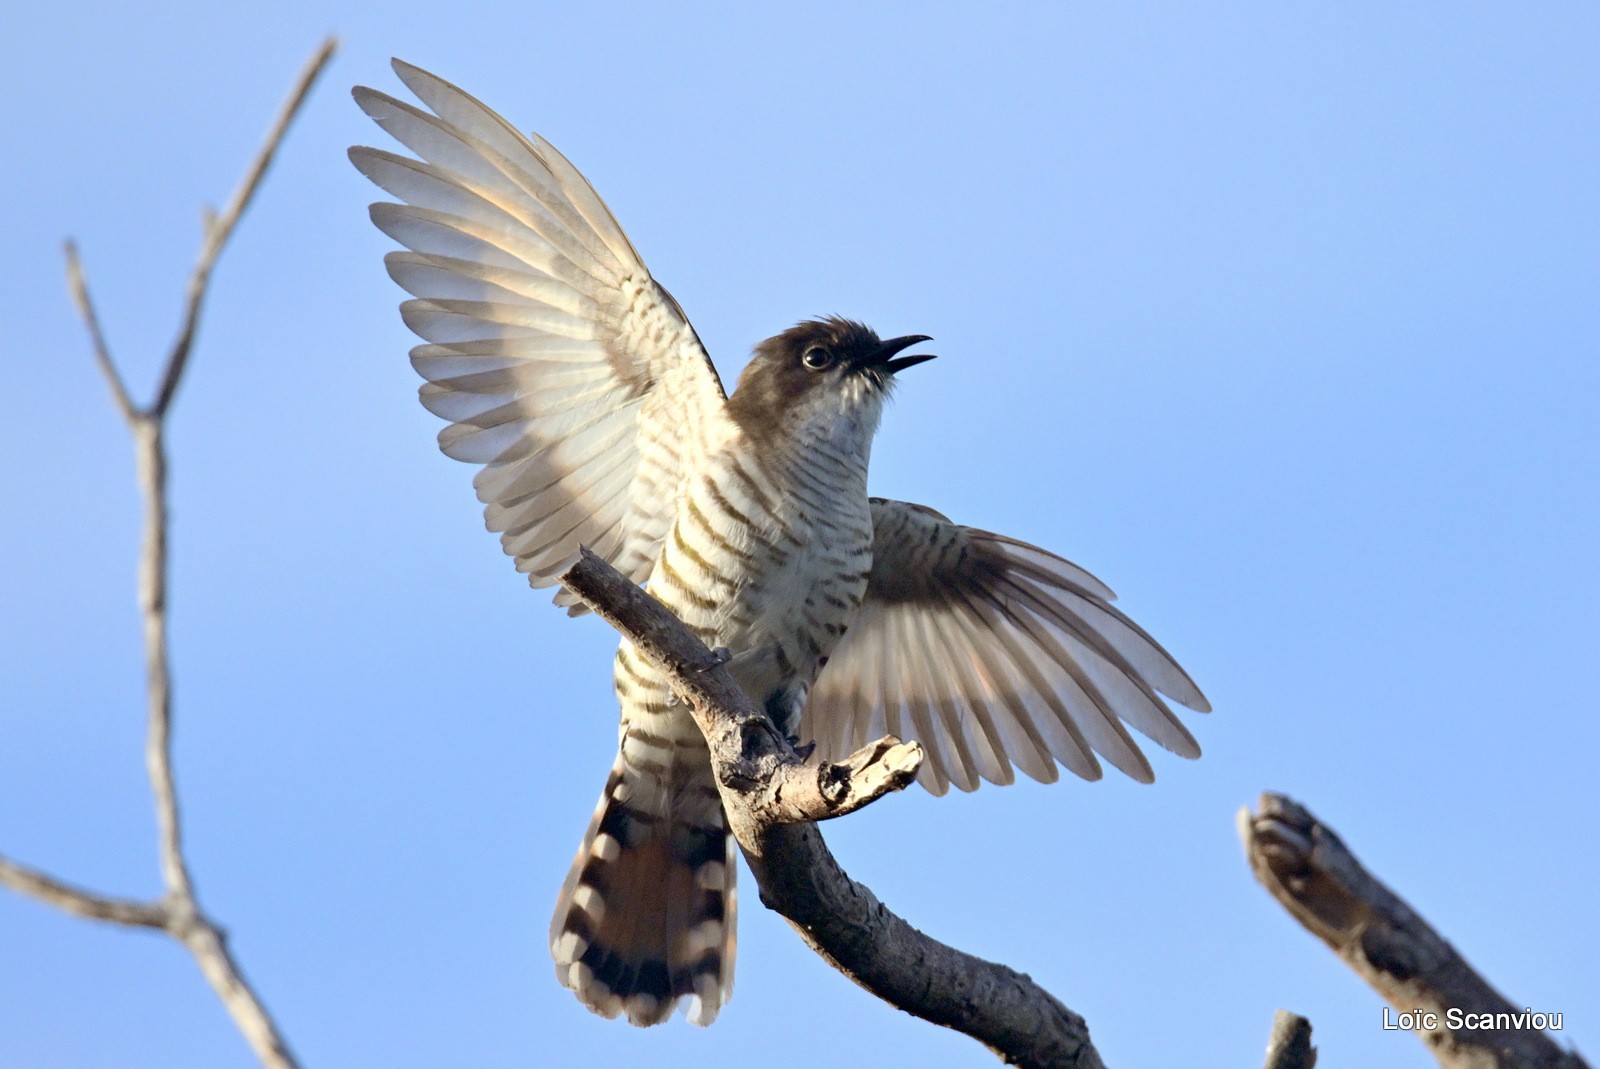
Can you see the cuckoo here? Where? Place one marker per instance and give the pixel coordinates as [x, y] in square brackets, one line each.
[577, 385]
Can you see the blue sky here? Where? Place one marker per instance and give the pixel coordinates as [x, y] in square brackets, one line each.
[1282, 321]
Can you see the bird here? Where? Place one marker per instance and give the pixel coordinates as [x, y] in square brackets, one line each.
[577, 385]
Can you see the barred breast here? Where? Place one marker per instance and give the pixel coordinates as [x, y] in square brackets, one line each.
[768, 557]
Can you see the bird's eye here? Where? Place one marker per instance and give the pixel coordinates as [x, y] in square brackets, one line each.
[817, 358]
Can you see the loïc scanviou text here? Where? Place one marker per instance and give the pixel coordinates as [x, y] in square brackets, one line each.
[1420, 1020]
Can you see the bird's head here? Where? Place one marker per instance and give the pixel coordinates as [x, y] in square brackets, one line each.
[824, 379]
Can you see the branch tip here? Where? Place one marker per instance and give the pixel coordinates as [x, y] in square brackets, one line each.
[219, 228]
[78, 286]
[1289, 1045]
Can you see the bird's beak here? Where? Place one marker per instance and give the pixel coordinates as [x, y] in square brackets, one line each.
[886, 359]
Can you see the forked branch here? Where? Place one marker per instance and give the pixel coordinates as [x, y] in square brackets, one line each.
[178, 911]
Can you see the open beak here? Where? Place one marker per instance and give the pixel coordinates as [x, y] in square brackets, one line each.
[886, 359]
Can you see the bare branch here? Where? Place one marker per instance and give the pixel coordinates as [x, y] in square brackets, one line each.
[102, 355]
[771, 797]
[1304, 865]
[1289, 1046]
[75, 900]
[178, 912]
[219, 228]
[151, 457]
[209, 946]
[179, 919]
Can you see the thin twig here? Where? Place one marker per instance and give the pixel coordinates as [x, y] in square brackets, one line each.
[178, 911]
[219, 228]
[151, 460]
[1463, 1020]
[771, 798]
[97, 339]
[75, 900]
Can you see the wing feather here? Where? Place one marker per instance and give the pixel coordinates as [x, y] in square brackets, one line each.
[456, 278]
[985, 729]
[1034, 687]
[1015, 739]
[423, 186]
[996, 655]
[580, 207]
[561, 366]
[1116, 684]
[527, 193]
[927, 680]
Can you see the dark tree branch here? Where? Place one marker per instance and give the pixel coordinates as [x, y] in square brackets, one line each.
[1313, 875]
[178, 911]
[772, 798]
[1289, 1046]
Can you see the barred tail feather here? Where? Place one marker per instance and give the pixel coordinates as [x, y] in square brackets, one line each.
[646, 917]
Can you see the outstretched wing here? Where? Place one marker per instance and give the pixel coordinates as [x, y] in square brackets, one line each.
[993, 653]
[563, 367]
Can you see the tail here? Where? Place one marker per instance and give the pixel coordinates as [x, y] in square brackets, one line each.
[646, 916]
